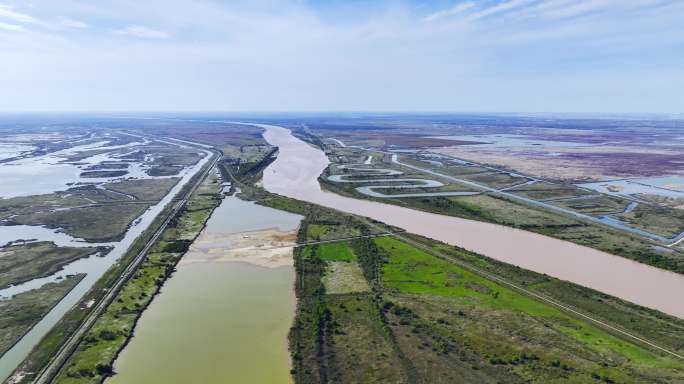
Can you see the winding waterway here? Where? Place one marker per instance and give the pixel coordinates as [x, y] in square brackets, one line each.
[382, 174]
[295, 174]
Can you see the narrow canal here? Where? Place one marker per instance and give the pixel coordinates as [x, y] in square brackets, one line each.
[225, 314]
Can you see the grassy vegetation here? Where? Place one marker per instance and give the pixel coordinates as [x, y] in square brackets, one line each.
[452, 308]
[103, 173]
[318, 231]
[339, 251]
[348, 343]
[444, 323]
[546, 190]
[435, 321]
[445, 188]
[108, 165]
[20, 263]
[495, 180]
[144, 189]
[663, 329]
[23, 311]
[94, 214]
[420, 317]
[344, 277]
[55, 338]
[98, 224]
[342, 273]
[74, 197]
[338, 335]
[499, 210]
[164, 170]
[253, 152]
[93, 359]
[664, 221]
[598, 205]
[246, 164]
[331, 231]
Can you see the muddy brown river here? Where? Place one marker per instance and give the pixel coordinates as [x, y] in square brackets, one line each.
[295, 174]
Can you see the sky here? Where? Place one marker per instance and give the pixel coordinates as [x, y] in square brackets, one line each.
[618, 56]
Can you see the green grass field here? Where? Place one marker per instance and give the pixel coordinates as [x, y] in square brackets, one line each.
[411, 272]
[338, 251]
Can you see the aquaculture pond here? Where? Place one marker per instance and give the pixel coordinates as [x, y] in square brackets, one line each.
[218, 320]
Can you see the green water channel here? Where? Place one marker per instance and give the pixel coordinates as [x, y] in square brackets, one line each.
[218, 322]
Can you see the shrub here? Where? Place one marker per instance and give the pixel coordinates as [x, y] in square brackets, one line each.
[106, 334]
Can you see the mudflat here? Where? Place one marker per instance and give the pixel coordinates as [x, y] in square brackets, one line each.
[270, 248]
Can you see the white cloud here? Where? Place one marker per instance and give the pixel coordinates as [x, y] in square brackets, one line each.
[558, 9]
[71, 23]
[501, 7]
[459, 8]
[12, 27]
[579, 8]
[142, 32]
[290, 55]
[8, 13]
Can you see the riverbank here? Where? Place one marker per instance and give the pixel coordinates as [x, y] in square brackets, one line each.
[295, 174]
[231, 300]
[436, 313]
[391, 309]
[20, 314]
[92, 363]
[499, 203]
[46, 338]
[544, 329]
[60, 328]
[113, 330]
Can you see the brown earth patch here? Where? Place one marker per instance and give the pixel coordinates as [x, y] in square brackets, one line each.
[267, 248]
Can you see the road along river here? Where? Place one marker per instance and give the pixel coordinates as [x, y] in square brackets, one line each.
[295, 174]
[94, 267]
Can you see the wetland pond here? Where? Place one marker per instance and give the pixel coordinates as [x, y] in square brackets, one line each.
[225, 314]
[94, 266]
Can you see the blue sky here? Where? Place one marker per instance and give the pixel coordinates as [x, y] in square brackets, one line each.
[285, 55]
